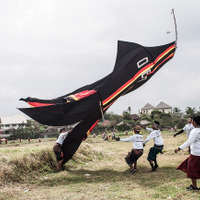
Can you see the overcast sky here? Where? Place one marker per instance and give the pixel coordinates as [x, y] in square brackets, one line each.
[49, 48]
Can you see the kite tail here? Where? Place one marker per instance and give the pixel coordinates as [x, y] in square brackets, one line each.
[79, 133]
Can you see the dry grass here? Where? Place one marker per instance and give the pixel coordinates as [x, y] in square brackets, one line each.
[26, 167]
[109, 175]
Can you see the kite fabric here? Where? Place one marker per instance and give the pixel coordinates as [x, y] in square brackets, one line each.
[135, 65]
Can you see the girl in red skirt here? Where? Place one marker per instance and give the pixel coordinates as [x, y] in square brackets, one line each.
[191, 166]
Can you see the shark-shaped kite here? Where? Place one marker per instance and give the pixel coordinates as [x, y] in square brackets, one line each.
[135, 65]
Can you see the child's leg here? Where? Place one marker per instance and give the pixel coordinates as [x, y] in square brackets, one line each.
[151, 163]
[135, 164]
[194, 183]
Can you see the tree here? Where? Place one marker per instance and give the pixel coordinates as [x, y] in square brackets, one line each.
[32, 129]
[176, 110]
[126, 115]
[129, 109]
[198, 113]
[165, 119]
[124, 126]
[116, 118]
[190, 111]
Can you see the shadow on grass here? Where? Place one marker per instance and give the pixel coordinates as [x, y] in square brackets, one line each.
[143, 177]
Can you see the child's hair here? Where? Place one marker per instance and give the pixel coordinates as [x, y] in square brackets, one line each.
[137, 128]
[197, 119]
[62, 129]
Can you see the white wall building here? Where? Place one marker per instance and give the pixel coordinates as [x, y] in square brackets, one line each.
[147, 109]
[12, 122]
[162, 107]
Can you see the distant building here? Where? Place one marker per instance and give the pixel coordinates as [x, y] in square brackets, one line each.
[12, 122]
[147, 109]
[162, 107]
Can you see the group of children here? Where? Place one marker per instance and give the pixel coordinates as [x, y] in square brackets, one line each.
[139, 143]
[191, 165]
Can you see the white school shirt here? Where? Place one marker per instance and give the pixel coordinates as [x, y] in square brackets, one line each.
[187, 128]
[156, 135]
[137, 140]
[193, 141]
[61, 138]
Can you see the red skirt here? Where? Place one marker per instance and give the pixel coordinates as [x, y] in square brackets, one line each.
[191, 166]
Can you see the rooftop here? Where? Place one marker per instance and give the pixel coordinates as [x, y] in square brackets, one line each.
[14, 119]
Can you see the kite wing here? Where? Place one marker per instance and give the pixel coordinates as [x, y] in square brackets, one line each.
[64, 113]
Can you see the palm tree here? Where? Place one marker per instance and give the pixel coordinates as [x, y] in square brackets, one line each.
[176, 110]
[129, 109]
[190, 111]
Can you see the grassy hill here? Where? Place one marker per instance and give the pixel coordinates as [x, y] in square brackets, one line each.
[96, 172]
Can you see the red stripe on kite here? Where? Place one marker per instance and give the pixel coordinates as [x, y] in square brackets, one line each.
[84, 94]
[121, 88]
[171, 47]
[36, 104]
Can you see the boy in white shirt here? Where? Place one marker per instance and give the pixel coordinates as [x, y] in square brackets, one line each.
[158, 144]
[137, 151]
[187, 128]
[191, 165]
[57, 148]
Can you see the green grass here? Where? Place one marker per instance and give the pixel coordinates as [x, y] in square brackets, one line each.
[104, 161]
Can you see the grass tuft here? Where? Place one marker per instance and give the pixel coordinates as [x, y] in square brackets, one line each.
[21, 168]
[30, 165]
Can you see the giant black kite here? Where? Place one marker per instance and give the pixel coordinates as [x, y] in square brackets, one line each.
[135, 65]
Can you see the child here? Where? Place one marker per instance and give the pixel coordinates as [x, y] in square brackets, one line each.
[158, 144]
[57, 148]
[191, 166]
[137, 151]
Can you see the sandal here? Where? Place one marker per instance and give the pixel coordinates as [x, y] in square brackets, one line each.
[133, 171]
[191, 187]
